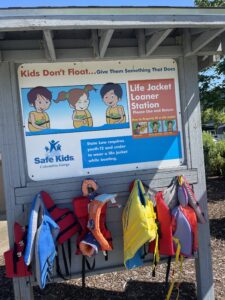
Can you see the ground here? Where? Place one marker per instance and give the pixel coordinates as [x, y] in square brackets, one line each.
[139, 283]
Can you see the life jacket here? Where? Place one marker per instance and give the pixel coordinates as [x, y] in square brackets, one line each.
[190, 215]
[182, 196]
[63, 217]
[41, 240]
[139, 225]
[193, 201]
[182, 231]
[68, 227]
[14, 260]
[89, 188]
[170, 194]
[165, 227]
[81, 208]
[96, 222]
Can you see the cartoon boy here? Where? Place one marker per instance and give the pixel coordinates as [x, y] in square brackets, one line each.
[40, 98]
[111, 94]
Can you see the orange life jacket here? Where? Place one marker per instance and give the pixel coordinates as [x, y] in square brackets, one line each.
[87, 210]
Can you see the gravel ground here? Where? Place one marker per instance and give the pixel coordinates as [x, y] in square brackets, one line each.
[139, 284]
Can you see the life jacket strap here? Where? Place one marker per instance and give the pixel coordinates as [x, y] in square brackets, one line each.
[177, 256]
[58, 269]
[66, 229]
[50, 209]
[156, 256]
[63, 216]
[168, 270]
[85, 262]
[15, 258]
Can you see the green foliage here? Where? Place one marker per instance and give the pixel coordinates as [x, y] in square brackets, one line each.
[214, 153]
[212, 87]
[208, 3]
[216, 116]
[212, 80]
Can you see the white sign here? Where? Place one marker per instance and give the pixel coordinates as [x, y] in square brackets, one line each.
[90, 118]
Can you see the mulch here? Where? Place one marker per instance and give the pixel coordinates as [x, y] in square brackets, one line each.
[139, 283]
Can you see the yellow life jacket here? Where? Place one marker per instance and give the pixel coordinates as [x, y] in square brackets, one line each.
[82, 118]
[113, 115]
[41, 119]
[139, 225]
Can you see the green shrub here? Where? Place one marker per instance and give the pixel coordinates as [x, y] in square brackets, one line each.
[214, 153]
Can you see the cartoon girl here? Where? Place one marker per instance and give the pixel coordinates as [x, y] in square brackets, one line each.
[40, 98]
[79, 101]
[111, 94]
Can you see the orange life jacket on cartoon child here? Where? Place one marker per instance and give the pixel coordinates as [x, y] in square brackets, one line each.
[14, 260]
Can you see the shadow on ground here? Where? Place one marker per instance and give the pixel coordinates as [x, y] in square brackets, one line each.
[134, 290]
[215, 189]
[217, 228]
[6, 287]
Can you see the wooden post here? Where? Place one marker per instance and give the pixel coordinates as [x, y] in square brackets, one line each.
[11, 167]
[188, 69]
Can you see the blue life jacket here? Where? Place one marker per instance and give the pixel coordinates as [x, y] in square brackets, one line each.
[41, 238]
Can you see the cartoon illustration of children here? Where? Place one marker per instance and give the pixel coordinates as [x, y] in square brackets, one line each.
[79, 101]
[111, 93]
[137, 129]
[155, 128]
[169, 126]
[40, 98]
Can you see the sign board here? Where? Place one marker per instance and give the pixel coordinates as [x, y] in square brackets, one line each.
[88, 118]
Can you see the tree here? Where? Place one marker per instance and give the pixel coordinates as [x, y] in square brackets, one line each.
[212, 82]
[208, 3]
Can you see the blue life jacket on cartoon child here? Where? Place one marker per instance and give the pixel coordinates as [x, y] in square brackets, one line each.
[41, 237]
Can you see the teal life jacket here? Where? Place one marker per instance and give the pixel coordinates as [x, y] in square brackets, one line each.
[41, 238]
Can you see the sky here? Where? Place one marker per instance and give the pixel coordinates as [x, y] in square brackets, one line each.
[32, 3]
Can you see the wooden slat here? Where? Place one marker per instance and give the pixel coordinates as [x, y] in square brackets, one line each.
[155, 40]
[63, 193]
[47, 34]
[202, 40]
[18, 124]
[121, 18]
[140, 34]
[104, 41]
[94, 42]
[25, 56]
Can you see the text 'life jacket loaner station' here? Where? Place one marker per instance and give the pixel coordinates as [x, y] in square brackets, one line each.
[100, 125]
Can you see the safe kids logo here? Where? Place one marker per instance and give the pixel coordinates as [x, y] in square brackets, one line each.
[53, 154]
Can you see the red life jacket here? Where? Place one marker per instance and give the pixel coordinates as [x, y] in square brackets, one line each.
[14, 261]
[81, 211]
[192, 219]
[165, 227]
[63, 217]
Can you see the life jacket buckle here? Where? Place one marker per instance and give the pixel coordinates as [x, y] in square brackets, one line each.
[19, 254]
[21, 243]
